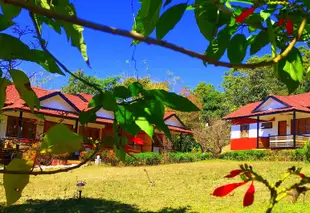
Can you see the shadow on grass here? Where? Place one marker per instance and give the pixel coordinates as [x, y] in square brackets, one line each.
[85, 205]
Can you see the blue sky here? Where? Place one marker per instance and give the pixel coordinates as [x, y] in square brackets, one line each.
[108, 54]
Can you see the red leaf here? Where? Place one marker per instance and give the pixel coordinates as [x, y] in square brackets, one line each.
[249, 195]
[245, 14]
[138, 141]
[289, 26]
[233, 173]
[280, 22]
[301, 175]
[225, 190]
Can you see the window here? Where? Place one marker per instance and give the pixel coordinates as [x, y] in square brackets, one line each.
[302, 126]
[244, 130]
[49, 124]
[28, 128]
[267, 125]
[94, 133]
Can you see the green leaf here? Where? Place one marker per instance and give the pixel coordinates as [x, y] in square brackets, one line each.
[135, 88]
[60, 139]
[120, 151]
[10, 11]
[3, 84]
[46, 61]
[147, 17]
[14, 184]
[167, 2]
[206, 18]
[123, 115]
[237, 49]
[174, 101]
[5, 22]
[22, 85]
[145, 125]
[265, 14]
[169, 19]
[291, 69]
[105, 100]
[88, 115]
[49, 22]
[13, 48]
[272, 39]
[217, 46]
[260, 41]
[121, 92]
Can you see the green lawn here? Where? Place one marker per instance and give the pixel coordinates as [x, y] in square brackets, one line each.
[178, 188]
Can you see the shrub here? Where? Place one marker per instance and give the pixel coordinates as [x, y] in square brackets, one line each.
[244, 155]
[85, 154]
[145, 158]
[179, 157]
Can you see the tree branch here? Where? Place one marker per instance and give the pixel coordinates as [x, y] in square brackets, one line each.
[57, 61]
[134, 35]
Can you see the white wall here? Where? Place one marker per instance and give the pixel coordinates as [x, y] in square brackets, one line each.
[105, 114]
[271, 104]
[173, 121]
[235, 129]
[57, 102]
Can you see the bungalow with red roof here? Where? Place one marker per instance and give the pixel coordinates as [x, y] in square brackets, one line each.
[276, 122]
[17, 121]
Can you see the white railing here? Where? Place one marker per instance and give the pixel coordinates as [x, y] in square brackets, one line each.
[287, 141]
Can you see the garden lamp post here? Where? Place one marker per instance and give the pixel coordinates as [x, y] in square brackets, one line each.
[80, 186]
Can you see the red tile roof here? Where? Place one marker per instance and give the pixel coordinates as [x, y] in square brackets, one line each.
[299, 102]
[80, 101]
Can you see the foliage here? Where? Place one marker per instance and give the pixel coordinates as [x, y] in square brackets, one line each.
[247, 155]
[244, 86]
[138, 108]
[184, 143]
[213, 103]
[214, 137]
[146, 82]
[277, 192]
[142, 159]
[75, 86]
[154, 158]
[84, 155]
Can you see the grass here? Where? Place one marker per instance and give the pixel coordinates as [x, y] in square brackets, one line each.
[178, 188]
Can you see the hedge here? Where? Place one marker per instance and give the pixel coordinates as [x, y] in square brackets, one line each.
[153, 158]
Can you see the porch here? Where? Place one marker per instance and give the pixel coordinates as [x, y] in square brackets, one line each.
[283, 130]
[278, 142]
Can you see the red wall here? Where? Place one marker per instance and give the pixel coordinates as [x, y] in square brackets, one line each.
[243, 143]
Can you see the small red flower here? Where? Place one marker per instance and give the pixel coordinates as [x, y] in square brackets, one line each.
[225, 190]
[289, 26]
[280, 22]
[137, 140]
[245, 14]
[233, 173]
[249, 195]
[25, 141]
[301, 175]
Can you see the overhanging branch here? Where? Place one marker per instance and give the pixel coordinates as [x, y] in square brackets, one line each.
[134, 35]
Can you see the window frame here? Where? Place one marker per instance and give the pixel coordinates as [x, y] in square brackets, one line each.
[23, 132]
[268, 125]
[244, 130]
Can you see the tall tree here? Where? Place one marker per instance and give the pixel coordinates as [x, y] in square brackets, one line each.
[75, 86]
[245, 86]
[212, 100]
[147, 83]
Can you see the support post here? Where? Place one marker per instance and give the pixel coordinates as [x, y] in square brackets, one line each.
[76, 125]
[257, 132]
[20, 122]
[294, 128]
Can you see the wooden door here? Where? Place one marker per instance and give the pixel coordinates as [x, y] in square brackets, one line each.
[282, 128]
